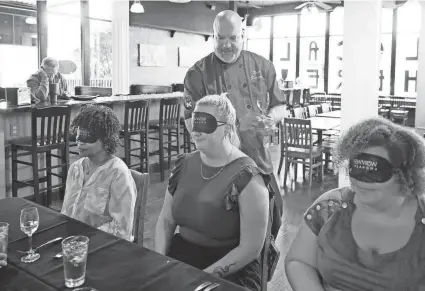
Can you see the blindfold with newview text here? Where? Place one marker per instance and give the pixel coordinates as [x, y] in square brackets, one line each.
[205, 122]
[369, 168]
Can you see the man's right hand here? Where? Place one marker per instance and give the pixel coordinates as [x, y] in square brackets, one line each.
[251, 121]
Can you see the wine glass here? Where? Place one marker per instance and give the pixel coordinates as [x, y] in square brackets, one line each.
[29, 224]
[263, 102]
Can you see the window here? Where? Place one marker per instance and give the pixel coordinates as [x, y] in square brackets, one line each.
[312, 50]
[100, 53]
[18, 45]
[64, 39]
[258, 37]
[25, 32]
[6, 28]
[386, 42]
[408, 26]
[285, 46]
[336, 32]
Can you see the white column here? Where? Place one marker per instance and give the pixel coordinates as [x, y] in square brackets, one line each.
[362, 27]
[120, 47]
[420, 96]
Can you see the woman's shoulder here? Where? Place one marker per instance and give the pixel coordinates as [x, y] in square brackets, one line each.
[325, 206]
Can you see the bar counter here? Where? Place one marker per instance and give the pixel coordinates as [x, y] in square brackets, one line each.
[15, 125]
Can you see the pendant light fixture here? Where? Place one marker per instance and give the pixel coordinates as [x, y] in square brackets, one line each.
[137, 7]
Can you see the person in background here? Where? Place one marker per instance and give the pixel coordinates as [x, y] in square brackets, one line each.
[100, 189]
[39, 81]
[247, 78]
[218, 198]
[370, 235]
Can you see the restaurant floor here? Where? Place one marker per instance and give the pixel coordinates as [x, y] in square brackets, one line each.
[295, 202]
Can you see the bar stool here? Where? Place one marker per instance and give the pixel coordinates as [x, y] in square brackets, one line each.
[136, 122]
[187, 141]
[49, 131]
[168, 124]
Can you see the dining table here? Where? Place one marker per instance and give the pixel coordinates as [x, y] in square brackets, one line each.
[113, 263]
[330, 114]
[321, 124]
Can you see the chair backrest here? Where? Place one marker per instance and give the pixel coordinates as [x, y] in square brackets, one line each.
[136, 116]
[299, 112]
[306, 96]
[169, 111]
[177, 87]
[398, 102]
[326, 107]
[93, 91]
[142, 185]
[297, 133]
[50, 125]
[149, 89]
[312, 110]
[296, 101]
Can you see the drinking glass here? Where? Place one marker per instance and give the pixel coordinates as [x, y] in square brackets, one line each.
[4, 236]
[29, 224]
[263, 102]
[74, 249]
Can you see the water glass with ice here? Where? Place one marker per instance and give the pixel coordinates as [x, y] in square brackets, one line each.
[74, 249]
[4, 236]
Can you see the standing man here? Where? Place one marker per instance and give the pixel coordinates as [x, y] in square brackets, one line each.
[39, 81]
[246, 77]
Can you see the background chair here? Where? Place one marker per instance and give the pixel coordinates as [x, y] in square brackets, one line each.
[142, 184]
[297, 136]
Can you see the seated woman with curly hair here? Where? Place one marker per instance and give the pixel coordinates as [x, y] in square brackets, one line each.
[369, 236]
[100, 189]
[218, 198]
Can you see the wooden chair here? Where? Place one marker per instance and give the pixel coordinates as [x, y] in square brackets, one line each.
[142, 184]
[306, 97]
[296, 101]
[187, 139]
[169, 125]
[136, 123]
[398, 112]
[299, 112]
[326, 107]
[49, 131]
[297, 136]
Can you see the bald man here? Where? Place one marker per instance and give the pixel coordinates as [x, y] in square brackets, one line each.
[245, 76]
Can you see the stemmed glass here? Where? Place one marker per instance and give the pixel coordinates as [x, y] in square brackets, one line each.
[263, 102]
[29, 224]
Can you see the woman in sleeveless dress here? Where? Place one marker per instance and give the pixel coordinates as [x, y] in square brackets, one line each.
[368, 236]
[218, 199]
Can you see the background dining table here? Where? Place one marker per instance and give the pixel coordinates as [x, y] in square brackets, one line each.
[113, 263]
[330, 114]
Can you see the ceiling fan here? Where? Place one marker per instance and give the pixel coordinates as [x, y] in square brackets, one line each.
[320, 4]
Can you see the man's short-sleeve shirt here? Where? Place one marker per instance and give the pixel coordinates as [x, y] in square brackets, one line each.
[245, 81]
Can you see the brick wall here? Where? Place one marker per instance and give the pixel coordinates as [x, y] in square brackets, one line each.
[171, 73]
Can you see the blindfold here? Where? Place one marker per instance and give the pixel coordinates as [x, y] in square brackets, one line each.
[204, 122]
[86, 138]
[369, 168]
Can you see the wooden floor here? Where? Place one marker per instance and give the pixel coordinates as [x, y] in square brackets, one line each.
[296, 200]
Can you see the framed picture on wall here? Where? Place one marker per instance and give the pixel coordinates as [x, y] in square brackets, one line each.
[189, 56]
[151, 55]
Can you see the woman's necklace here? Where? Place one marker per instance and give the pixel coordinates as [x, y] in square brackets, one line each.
[219, 171]
[90, 170]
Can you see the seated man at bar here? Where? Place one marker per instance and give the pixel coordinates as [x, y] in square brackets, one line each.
[40, 80]
[100, 189]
